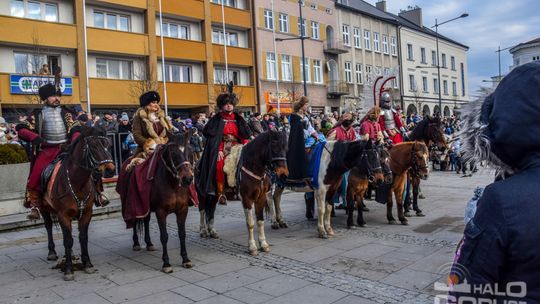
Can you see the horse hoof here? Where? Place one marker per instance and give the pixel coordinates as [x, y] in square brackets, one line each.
[330, 232]
[364, 225]
[52, 257]
[90, 270]
[265, 249]
[408, 214]
[136, 248]
[167, 269]
[352, 227]
[254, 252]
[420, 214]
[275, 226]
[214, 235]
[323, 235]
[187, 265]
[392, 222]
[204, 234]
[150, 248]
[404, 223]
[69, 277]
[283, 225]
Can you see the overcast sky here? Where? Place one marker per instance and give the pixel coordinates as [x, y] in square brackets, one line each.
[490, 23]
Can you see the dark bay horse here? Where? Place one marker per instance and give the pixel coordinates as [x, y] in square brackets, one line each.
[259, 157]
[72, 194]
[170, 194]
[430, 132]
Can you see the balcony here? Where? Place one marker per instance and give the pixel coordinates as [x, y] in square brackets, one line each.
[337, 88]
[233, 16]
[36, 32]
[181, 94]
[235, 55]
[246, 95]
[182, 49]
[114, 92]
[109, 41]
[186, 8]
[335, 46]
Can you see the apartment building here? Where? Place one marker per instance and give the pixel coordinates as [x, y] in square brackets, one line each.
[371, 37]
[108, 63]
[280, 64]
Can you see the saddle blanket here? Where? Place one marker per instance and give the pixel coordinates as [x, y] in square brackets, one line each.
[314, 165]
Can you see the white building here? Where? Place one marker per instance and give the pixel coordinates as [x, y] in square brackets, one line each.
[525, 52]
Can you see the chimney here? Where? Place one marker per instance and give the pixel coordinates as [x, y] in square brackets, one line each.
[413, 14]
[381, 5]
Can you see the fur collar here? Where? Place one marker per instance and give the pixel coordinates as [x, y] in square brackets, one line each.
[144, 115]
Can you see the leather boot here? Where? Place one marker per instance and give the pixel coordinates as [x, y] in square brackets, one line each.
[34, 214]
[222, 199]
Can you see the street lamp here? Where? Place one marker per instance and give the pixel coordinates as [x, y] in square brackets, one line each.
[302, 37]
[436, 26]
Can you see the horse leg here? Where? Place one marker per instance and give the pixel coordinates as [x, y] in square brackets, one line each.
[416, 191]
[210, 210]
[259, 213]
[321, 202]
[181, 216]
[250, 226]
[360, 216]
[399, 204]
[65, 224]
[164, 237]
[389, 205]
[84, 222]
[51, 256]
[271, 207]
[350, 206]
[147, 240]
[203, 231]
[136, 244]
[277, 203]
[327, 218]
[407, 198]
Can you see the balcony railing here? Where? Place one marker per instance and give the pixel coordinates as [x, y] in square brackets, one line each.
[335, 46]
[337, 88]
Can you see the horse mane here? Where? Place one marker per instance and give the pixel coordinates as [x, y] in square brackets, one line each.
[419, 132]
[338, 159]
[255, 147]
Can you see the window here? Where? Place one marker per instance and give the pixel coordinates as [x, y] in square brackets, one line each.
[443, 59]
[315, 30]
[445, 87]
[367, 40]
[358, 73]
[219, 38]
[393, 47]
[433, 58]
[345, 31]
[34, 10]
[535, 58]
[453, 63]
[220, 76]
[313, 6]
[302, 27]
[385, 44]
[231, 3]
[28, 63]
[284, 23]
[356, 37]
[111, 21]
[329, 11]
[369, 70]
[271, 66]
[462, 70]
[113, 69]
[286, 68]
[174, 30]
[317, 71]
[423, 55]
[409, 52]
[424, 84]
[268, 19]
[376, 45]
[348, 72]
[412, 84]
[178, 73]
[378, 70]
[306, 64]
[454, 88]
[435, 86]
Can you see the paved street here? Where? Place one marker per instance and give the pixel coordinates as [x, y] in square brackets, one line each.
[377, 264]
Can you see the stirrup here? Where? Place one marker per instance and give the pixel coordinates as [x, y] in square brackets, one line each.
[101, 200]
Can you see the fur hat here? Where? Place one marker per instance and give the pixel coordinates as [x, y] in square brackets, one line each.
[47, 91]
[148, 97]
[300, 103]
[227, 97]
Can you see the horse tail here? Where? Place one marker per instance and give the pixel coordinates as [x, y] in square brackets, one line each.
[139, 223]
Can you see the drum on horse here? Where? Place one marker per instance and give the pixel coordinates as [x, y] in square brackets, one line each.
[336, 159]
[260, 157]
[70, 193]
[358, 183]
[430, 132]
[169, 194]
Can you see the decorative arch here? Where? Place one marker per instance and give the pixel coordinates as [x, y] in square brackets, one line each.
[329, 35]
[425, 110]
[411, 109]
[333, 70]
[446, 111]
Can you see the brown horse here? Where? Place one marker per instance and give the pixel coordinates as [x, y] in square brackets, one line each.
[72, 194]
[405, 156]
[266, 153]
[358, 182]
[170, 194]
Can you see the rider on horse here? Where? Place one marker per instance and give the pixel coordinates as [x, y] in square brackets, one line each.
[390, 122]
[222, 132]
[370, 128]
[50, 130]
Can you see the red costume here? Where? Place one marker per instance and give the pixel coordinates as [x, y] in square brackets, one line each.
[340, 133]
[231, 137]
[372, 128]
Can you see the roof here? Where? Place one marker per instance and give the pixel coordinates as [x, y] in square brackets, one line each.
[525, 44]
[367, 9]
[406, 23]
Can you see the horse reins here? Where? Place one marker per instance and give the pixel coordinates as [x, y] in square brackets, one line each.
[415, 168]
[174, 169]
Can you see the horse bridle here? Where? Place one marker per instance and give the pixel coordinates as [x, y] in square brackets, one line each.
[172, 168]
[415, 167]
[91, 163]
[370, 171]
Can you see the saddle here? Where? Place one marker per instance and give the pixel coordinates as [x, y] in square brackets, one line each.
[48, 171]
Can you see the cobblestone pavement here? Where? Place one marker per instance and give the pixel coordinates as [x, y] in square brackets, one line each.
[378, 264]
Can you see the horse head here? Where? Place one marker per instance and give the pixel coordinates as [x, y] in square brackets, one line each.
[176, 157]
[434, 132]
[92, 151]
[278, 152]
[366, 156]
[419, 160]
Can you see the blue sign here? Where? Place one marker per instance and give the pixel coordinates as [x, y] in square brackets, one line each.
[30, 85]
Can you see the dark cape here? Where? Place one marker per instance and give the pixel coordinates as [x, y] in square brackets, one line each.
[206, 168]
[296, 155]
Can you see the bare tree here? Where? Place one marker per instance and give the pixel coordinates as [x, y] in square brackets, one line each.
[144, 81]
